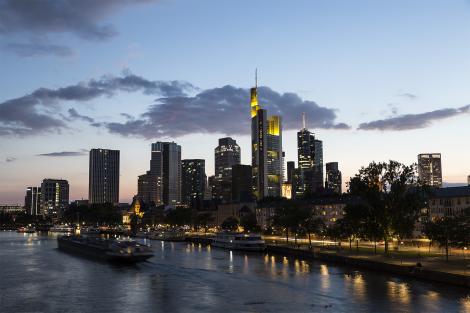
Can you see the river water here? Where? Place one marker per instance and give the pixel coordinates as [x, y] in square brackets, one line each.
[36, 277]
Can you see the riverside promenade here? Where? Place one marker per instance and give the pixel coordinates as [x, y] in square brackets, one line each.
[428, 266]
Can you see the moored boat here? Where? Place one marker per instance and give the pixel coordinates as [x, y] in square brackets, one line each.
[106, 249]
[239, 241]
[62, 229]
[26, 229]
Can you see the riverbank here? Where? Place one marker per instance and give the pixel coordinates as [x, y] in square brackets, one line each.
[433, 270]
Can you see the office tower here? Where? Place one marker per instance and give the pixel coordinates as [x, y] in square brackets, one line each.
[32, 201]
[193, 180]
[430, 169]
[266, 147]
[54, 196]
[333, 178]
[162, 183]
[468, 180]
[227, 154]
[290, 168]
[242, 187]
[212, 187]
[310, 162]
[103, 179]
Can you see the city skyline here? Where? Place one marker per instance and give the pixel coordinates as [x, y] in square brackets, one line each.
[395, 104]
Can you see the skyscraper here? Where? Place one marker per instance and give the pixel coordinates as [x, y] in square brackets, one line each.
[333, 180]
[162, 183]
[54, 196]
[193, 179]
[310, 162]
[290, 168]
[103, 179]
[32, 200]
[266, 147]
[227, 154]
[430, 169]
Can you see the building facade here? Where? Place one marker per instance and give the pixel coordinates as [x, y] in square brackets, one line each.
[266, 147]
[193, 180]
[227, 154]
[310, 163]
[333, 180]
[242, 184]
[32, 201]
[430, 169]
[54, 196]
[103, 186]
[449, 201]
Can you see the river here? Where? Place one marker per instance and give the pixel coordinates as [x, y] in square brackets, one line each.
[36, 277]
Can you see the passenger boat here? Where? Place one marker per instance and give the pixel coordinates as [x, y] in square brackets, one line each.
[239, 241]
[62, 229]
[26, 229]
[116, 250]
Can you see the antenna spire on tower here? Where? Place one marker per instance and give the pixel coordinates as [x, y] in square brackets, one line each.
[303, 120]
[256, 77]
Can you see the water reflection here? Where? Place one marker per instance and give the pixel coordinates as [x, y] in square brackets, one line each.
[399, 292]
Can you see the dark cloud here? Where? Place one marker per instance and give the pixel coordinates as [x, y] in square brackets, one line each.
[65, 153]
[35, 49]
[408, 95]
[413, 121]
[222, 110]
[32, 114]
[83, 18]
[10, 159]
[74, 115]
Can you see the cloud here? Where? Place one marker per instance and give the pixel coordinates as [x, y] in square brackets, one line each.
[414, 121]
[42, 18]
[65, 153]
[35, 49]
[83, 18]
[31, 114]
[409, 96]
[222, 110]
[10, 159]
[73, 114]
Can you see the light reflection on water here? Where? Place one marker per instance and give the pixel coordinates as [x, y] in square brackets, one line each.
[36, 277]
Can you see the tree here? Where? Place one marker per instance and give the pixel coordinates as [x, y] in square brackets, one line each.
[390, 200]
[203, 220]
[315, 225]
[230, 223]
[249, 222]
[179, 217]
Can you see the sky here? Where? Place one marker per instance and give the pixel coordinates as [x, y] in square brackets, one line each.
[378, 80]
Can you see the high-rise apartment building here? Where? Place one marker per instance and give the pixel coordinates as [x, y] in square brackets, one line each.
[430, 169]
[266, 147]
[54, 196]
[32, 201]
[227, 154]
[333, 180]
[193, 180]
[103, 186]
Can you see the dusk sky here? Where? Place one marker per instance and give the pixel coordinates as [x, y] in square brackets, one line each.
[378, 80]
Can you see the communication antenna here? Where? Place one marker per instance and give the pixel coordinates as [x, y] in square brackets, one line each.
[256, 77]
[303, 119]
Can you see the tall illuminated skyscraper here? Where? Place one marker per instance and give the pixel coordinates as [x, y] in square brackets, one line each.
[310, 162]
[193, 180]
[430, 169]
[266, 147]
[32, 200]
[227, 154]
[103, 186]
[54, 196]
